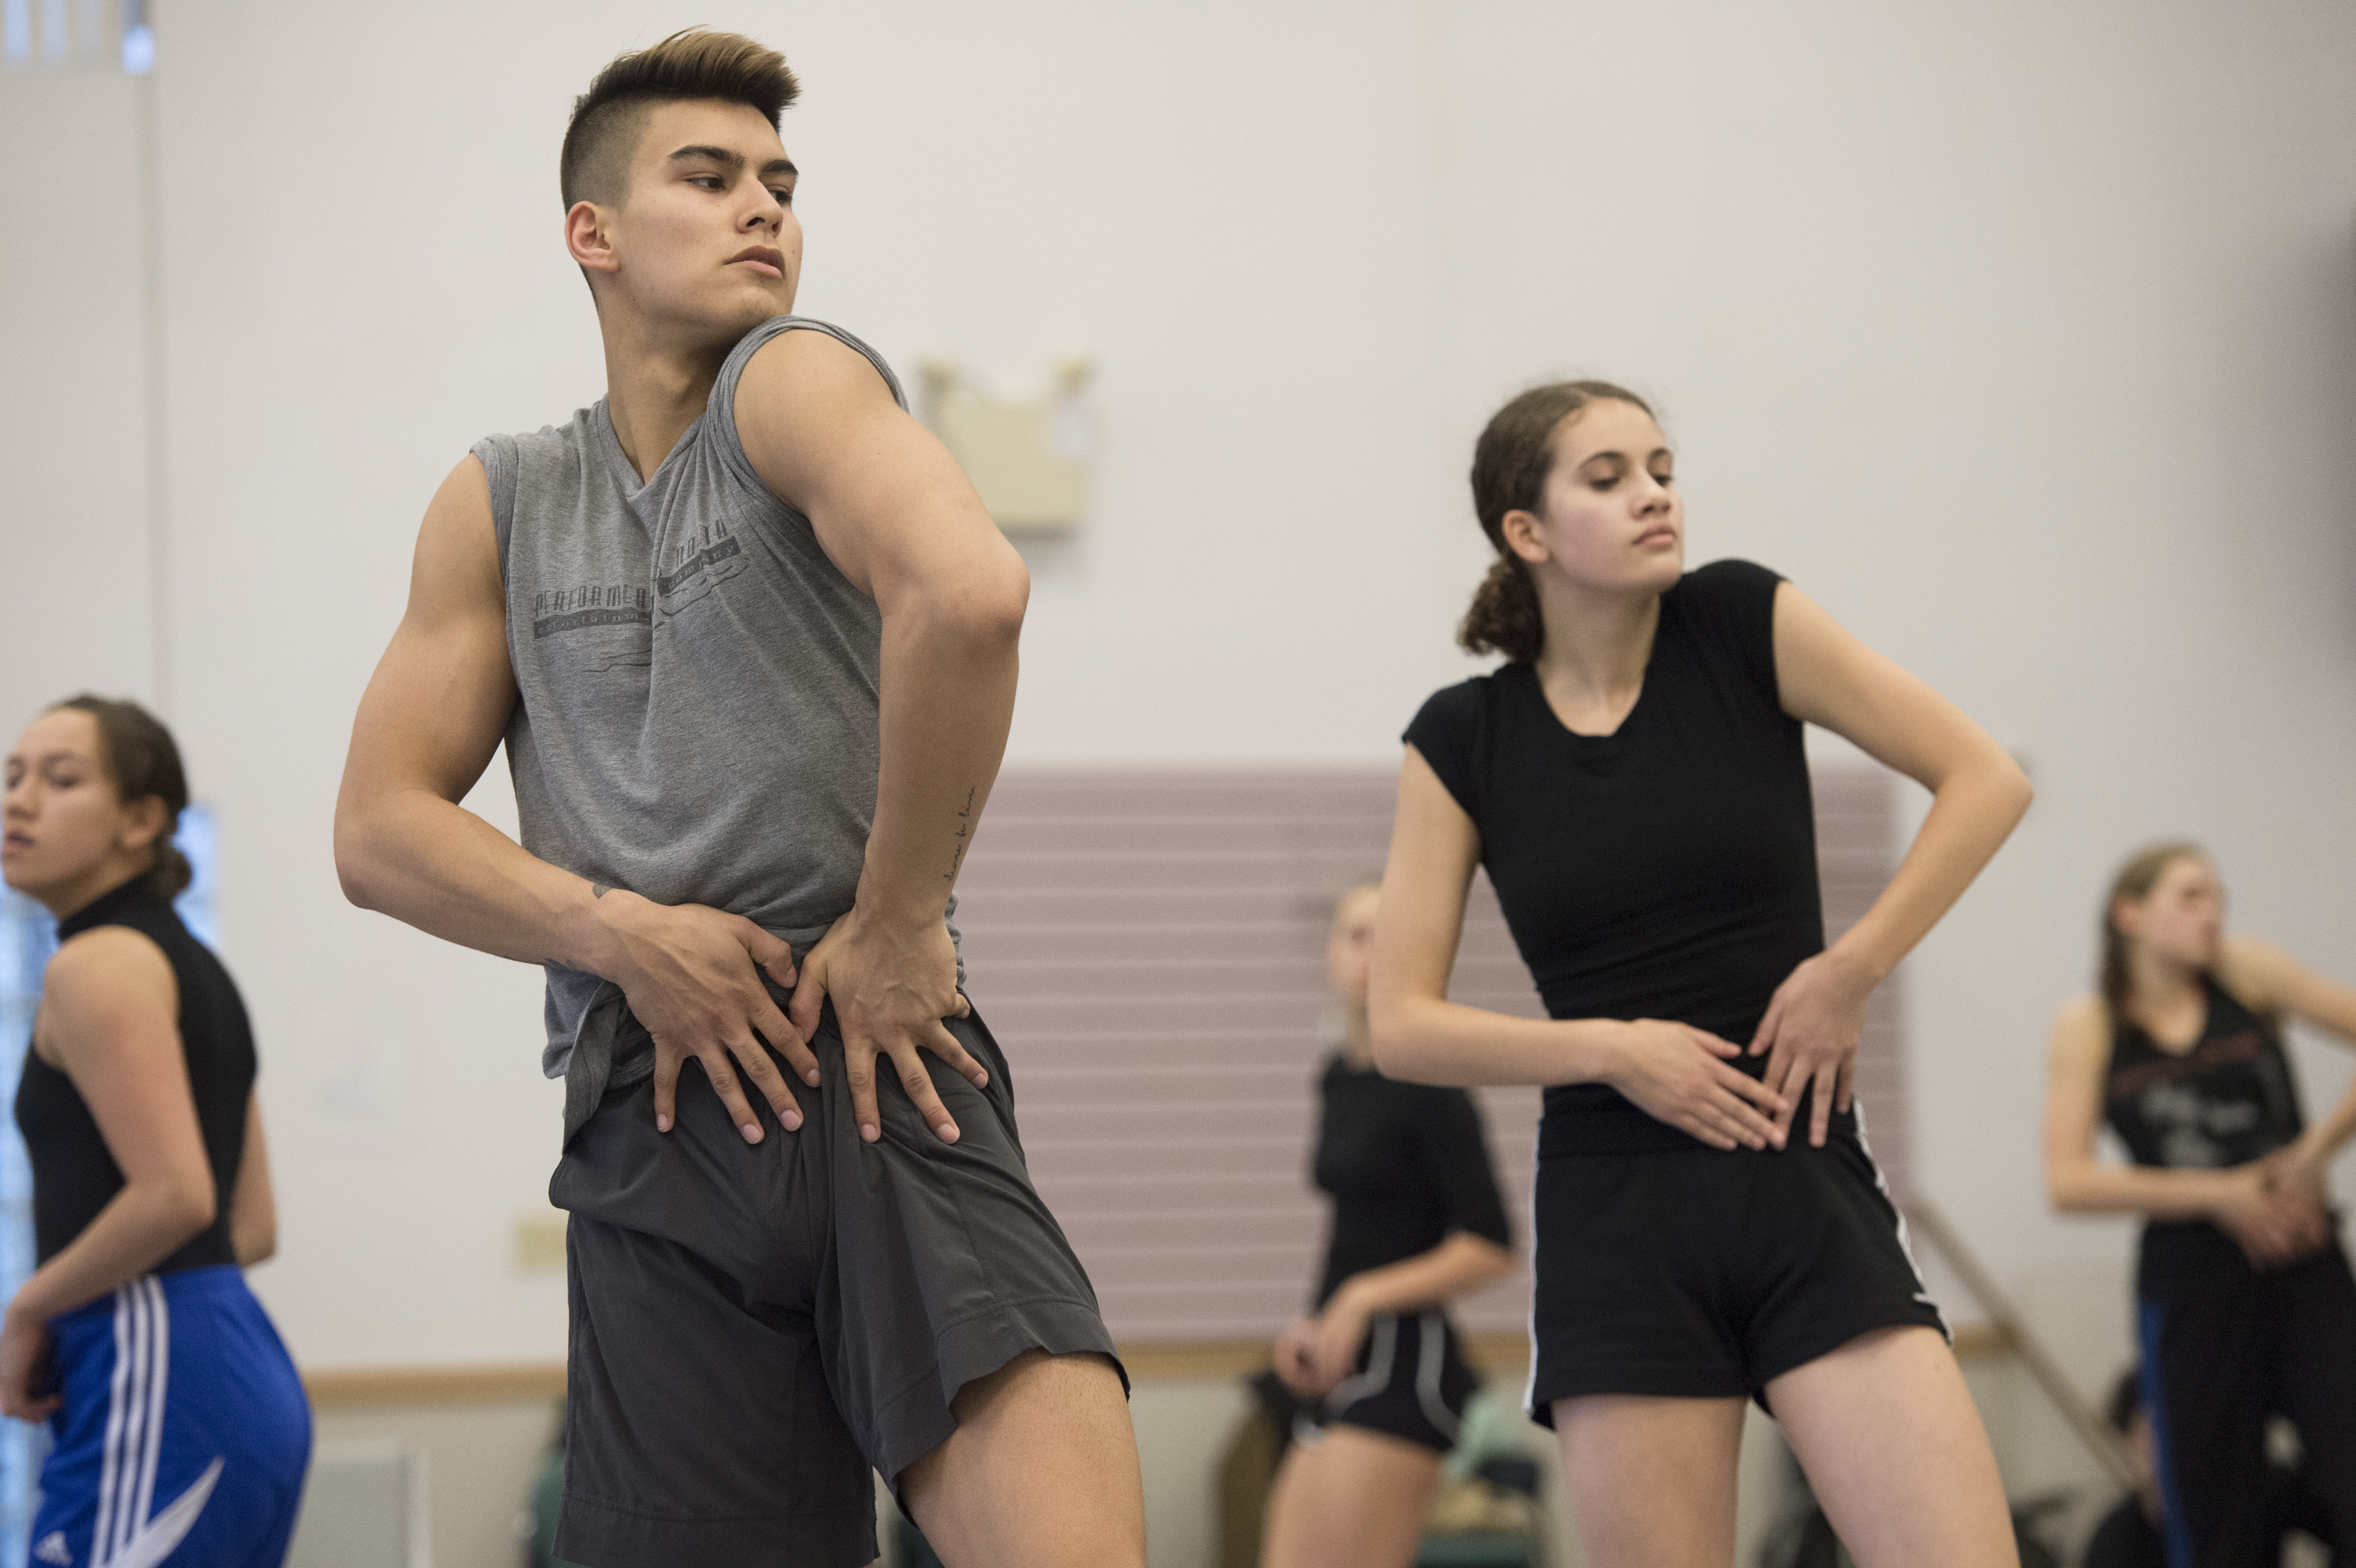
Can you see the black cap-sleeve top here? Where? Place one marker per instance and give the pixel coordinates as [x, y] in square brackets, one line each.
[1406, 1166]
[1666, 871]
[74, 1173]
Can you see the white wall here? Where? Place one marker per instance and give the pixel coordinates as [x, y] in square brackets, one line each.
[73, 428]
[2025, 340]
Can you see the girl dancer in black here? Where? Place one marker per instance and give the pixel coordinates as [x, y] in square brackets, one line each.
[179, 1429]
[1635, 781]
[1417, 1223]
[2245, 1307]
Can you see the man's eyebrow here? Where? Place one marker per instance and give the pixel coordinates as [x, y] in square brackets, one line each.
[733, 162]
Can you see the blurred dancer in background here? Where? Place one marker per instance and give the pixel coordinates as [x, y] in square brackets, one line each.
[2129, 1535]
[1418, 1221]
[180, 1427]
[2245, 1309]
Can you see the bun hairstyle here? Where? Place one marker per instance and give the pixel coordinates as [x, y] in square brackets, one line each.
[144, 761]
[2134, 883]
[1510, 464]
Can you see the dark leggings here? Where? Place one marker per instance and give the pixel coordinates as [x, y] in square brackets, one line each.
[2217, 1362]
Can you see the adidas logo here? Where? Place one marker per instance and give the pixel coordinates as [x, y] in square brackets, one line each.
[53, 1548]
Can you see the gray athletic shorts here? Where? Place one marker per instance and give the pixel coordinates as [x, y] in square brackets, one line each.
[754, 1325]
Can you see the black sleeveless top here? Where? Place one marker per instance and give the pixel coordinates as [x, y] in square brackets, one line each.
[1405, 1165]
[74, 1175]
[2226, 1102]
[1666, 871]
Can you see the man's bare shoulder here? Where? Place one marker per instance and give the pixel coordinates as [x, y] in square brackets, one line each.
[811, 351]
[456, 567]
[803, 390]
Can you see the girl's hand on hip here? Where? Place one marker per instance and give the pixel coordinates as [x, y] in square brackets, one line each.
[1809, 1036]
[1334, 1339]
[1679, 1074]
[2273, 1227]
[1295, 1356]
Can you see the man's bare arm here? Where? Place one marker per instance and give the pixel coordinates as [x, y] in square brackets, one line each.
[427, 727]
[431, 717]
[896, 517]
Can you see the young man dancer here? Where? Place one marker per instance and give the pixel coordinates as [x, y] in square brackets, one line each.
[750, 639]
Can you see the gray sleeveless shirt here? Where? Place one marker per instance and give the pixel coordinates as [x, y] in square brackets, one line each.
[697, 684]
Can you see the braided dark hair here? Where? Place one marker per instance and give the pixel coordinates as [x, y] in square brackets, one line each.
[1510, 464]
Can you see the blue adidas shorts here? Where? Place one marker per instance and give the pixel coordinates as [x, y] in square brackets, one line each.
[184, 1433]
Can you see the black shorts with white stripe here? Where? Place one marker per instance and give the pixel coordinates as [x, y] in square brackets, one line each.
[1411, 1382]
[1701, 1273]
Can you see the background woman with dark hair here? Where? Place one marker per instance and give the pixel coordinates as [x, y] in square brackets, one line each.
[180, 1425]
[1635, 781]
[2245, 1306]
[1418, 1221]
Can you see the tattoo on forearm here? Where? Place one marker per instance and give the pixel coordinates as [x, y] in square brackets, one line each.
[598, 889]
[964, 837]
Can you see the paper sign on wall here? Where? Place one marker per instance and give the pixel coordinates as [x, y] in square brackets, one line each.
[1028, 458]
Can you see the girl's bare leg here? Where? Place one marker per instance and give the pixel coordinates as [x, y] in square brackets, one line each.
[1890, 1440]
[1353, 1499]
[1651, 1479]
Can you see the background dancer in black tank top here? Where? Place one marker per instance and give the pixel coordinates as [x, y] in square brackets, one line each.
[1418, 1221]
[2246, 1308]
[1635, 781]
[179, 1427]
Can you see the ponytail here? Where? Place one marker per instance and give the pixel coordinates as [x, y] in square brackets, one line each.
[1505, 617]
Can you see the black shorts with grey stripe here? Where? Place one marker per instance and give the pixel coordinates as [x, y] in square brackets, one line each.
[1704, 1274]
[1411, 1382]
[755, 1325]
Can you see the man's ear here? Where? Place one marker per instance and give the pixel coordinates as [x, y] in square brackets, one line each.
[588, 235]
[1524, 537]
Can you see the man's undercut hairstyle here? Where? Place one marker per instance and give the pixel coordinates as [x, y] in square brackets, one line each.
[609, 118]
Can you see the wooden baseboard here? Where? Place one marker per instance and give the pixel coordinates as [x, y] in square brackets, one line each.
[387, 1388]
[1173, 1361]
[383, 1388]
[1981, 1339]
